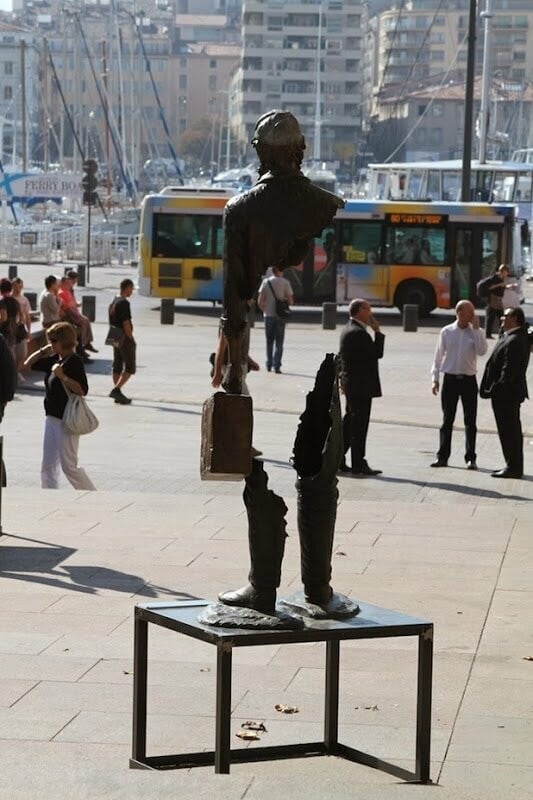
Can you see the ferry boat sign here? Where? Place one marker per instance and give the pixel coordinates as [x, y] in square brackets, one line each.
[48, 186]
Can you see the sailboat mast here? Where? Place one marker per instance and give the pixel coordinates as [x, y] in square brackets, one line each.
[484, 113]
[317, 143]
[23, 104]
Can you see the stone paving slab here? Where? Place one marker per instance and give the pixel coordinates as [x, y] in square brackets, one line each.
[454, 547]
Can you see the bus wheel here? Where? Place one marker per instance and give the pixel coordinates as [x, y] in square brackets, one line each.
[417, 293]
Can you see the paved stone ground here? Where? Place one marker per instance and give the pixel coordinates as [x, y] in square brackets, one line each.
[452, 547]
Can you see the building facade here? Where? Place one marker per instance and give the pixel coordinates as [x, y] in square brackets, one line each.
[304, 57]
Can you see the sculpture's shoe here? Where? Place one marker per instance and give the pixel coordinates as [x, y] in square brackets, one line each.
[263, 600]
[318, 595]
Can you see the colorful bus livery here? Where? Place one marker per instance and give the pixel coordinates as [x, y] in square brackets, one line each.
[181, 244]
[429, 254]
[392, 253]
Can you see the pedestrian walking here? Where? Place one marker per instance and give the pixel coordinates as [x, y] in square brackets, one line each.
[64, 371]
[492, 289]
[456, 354]
[124, 354]
[504, 382]
[8, 382]
[359, 377]
[24, 326]
[274, 299]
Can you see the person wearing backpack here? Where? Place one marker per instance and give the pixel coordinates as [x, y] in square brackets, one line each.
[275, 297]
[491, 290]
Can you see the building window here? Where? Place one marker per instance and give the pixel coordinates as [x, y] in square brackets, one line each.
[212, 63]
[8, 68]
[183, 62]
[8, 92]
[519, 56]
[183, 82]
[212, 83]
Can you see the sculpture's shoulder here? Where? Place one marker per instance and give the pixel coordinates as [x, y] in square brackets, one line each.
[241, 207]
[324, 197]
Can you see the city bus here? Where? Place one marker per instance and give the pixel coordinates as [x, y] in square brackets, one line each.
[391, 253]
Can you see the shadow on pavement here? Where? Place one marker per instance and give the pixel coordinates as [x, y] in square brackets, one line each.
[456, 487]
[42, 564]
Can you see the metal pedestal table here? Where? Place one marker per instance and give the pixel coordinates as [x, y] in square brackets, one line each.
[371, 623]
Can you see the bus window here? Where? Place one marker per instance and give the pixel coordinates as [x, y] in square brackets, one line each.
[451, 186]
[183, 235]
[406, 244]
[360, 242]
[489, 252]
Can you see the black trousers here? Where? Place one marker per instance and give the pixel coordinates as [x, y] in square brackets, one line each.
[355, 428]
[492, 315]
[453, 388]
[507, 416]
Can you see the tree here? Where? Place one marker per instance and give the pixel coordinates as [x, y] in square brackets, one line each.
[200, 140]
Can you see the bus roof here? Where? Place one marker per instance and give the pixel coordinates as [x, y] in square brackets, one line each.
[453, 165]
[432, 207]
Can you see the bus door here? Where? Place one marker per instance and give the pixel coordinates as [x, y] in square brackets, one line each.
[476, 252]
[360, 268]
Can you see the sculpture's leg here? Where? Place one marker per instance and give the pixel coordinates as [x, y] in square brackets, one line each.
[266, 537]
[317, 511]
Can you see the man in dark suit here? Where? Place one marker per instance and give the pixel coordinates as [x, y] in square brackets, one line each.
[359, 354]
[504, 381]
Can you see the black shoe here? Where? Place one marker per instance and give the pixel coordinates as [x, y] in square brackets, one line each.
[471, 465]
[439, 463]
[344, 467]
[278, 371]
[90, 348]
[249, 597]
[506, 473]
[366, 470]
[114, 392]
[117, 395]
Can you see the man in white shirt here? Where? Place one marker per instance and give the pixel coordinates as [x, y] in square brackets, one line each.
[272, 289]
[456, 355]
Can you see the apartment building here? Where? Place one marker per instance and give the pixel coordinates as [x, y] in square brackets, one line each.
[18, 90]
[295, 55]
[424, 43]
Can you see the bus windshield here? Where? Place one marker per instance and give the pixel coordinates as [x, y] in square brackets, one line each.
[187, 235]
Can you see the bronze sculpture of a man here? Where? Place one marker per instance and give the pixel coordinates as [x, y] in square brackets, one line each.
[272, 224]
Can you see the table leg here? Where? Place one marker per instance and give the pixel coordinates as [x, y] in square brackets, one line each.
[140, 675]
[423, 708]
[331, 709]
[223, 709]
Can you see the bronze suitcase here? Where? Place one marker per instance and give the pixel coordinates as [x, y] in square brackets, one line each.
[227, 424]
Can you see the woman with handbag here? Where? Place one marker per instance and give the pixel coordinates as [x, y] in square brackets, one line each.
[65, 376]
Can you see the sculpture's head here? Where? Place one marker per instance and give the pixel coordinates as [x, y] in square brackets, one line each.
[279, 142]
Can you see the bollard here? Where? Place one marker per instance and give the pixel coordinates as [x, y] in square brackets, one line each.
[88, 307]
[31, 297]
[329, 316]
[410, 317]
[12, 271]
[81, 270]
[167, 311]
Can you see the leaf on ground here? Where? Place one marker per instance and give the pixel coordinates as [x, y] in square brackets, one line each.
[251, 725]
[205, 669]
[286, 709]
[527, 658]
[340, 553]
[248, 735]
[371, 708]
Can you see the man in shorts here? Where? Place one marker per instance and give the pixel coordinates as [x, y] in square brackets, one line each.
[124, 354]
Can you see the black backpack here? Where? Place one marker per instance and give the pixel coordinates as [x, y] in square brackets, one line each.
[482, 287]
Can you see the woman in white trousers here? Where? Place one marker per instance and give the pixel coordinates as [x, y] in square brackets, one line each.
[64, 369]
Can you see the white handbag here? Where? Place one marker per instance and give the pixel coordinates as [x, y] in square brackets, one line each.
[77, 416]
